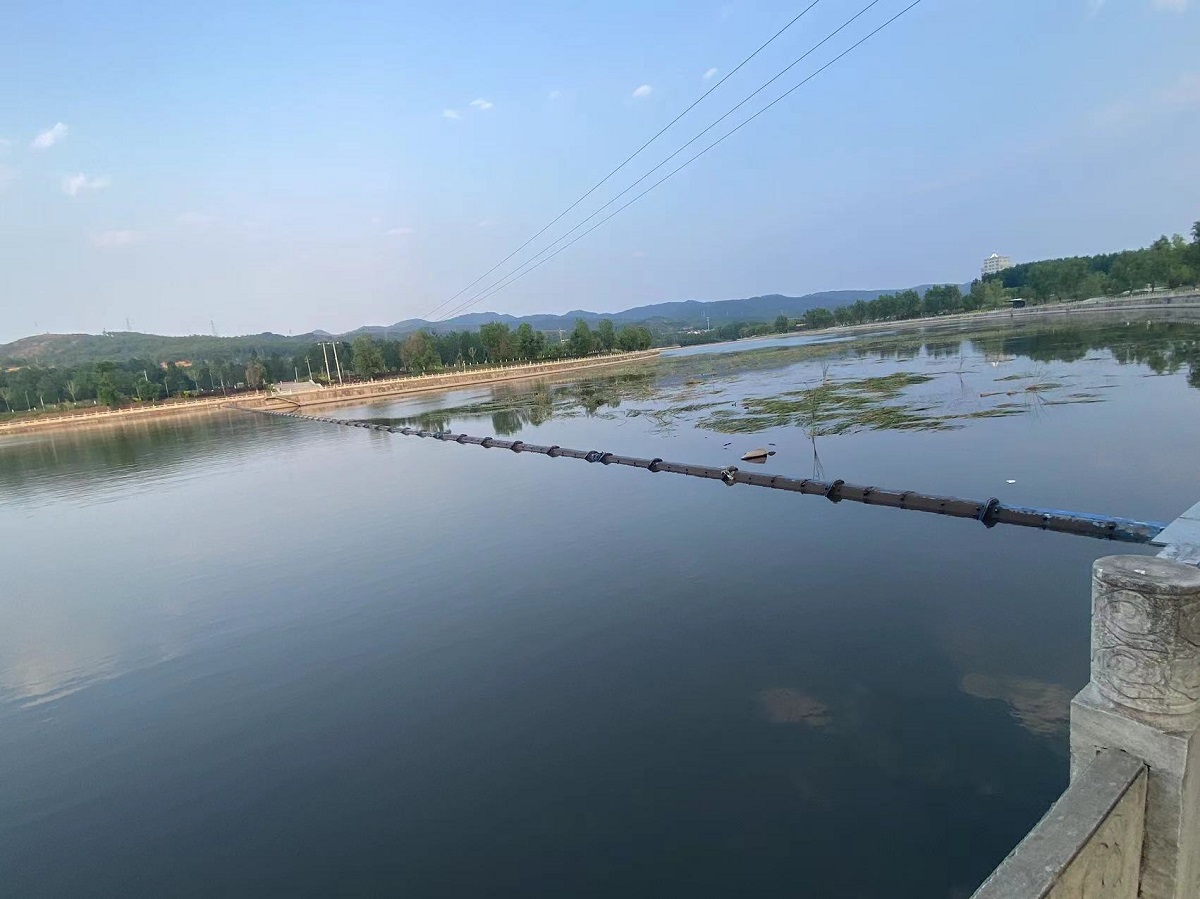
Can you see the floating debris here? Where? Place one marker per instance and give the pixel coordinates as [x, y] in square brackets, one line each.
[757, 455]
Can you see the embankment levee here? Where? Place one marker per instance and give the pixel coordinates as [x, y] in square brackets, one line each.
[350, 393]
[1184, 301]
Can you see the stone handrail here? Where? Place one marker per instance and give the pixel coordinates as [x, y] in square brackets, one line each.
[1088, 844]
[1136, 722]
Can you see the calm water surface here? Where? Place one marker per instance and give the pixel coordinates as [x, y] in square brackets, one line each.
[243, 655]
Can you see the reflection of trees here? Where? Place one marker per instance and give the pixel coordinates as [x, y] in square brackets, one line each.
[512, 407]
[510, 421]
[59, 462]
[593, 394]
[1163, 347]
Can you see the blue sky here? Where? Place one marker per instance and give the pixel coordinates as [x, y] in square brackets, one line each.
[314, 165]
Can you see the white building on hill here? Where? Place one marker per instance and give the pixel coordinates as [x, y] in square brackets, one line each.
[996, 263]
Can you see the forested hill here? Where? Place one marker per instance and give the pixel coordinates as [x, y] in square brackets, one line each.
[120, 346]
[678, 314]
[81, 349]
[1168, 262]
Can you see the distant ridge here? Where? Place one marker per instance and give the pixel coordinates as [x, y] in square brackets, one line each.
[70, 349]
[680, 313]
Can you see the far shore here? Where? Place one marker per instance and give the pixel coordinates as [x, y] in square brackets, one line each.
[350, 393]
[1189, 300]
[1184, 300]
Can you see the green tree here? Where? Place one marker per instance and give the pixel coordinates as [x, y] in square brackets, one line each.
[634, 337]
[781, 324]
[942, 299]
[908, 304]
[418, 353]
[107, 393]
[365, 357]
[606, 335]
[496, 340]
[148, 390]
[530, 343]
[580, 342]
[818, 317]
[256, 373]
[986, 294]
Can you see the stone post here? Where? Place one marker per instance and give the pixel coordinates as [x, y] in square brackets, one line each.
[1144, 699]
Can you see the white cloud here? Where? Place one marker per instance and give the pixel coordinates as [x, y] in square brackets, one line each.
[399, 232]
[73, 185]
[554, 95]
[644, 91]
[451, 114]
[481, 104]
[1171, 5]
[5, 143]
[710, 74]
[110, 239]
[639, 254]
[195, 219]
[50, 137]
[7, 176]
[1094, 7]
[485, 223]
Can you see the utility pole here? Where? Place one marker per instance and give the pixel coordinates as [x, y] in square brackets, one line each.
[309, 364]
[325, 353]
[338, 364]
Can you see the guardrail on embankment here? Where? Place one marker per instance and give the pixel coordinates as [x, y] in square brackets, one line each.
[467, 377]
[361, 391]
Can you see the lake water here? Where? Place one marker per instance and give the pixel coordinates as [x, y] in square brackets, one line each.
[243, 655]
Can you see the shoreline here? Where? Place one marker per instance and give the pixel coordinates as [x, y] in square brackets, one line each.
[1189, 300]
[362, 392]
[410, 385]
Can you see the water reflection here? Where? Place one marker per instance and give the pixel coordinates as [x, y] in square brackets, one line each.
[300, 656]
[513, 408]
[839, 392]
[1040, 707]
[93, 463]
[785, 705]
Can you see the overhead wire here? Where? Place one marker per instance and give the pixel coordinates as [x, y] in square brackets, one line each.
[488, 291]
[516, 276]
[627, 159]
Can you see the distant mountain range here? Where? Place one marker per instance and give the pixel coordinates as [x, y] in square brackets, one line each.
[680, 313]
[73, 349]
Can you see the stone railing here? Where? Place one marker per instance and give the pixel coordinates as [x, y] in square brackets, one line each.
[1128, 826]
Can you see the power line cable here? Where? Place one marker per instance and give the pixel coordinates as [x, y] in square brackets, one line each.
[628, 160]
[521, 274]
[730, 112]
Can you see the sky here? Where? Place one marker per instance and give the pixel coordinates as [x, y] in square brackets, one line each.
[251, 166]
